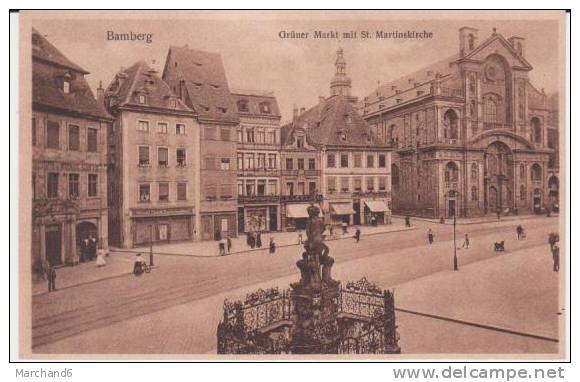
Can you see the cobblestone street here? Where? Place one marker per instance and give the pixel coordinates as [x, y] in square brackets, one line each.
[495, 303]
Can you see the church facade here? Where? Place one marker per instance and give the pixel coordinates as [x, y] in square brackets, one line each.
[470, 134]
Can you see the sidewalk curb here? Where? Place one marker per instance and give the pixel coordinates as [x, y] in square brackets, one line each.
[449, 221]
[265, 248]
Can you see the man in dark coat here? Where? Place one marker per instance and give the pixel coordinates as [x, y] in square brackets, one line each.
[259, 240]
[556, 257]
[357, 235]
[51, 276]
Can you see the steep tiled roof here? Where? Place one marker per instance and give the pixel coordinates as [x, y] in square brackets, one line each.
[408, 87]
[206, 87]
[330, 120]
[43, 50]
[49, 68]
[140, 78]
[253, 102]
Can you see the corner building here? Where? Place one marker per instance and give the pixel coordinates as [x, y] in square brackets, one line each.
[69, 140]
[471, 134]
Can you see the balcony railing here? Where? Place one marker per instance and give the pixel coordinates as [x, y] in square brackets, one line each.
[258, 172]
[243, 199]
[370, 194]
[301, 198]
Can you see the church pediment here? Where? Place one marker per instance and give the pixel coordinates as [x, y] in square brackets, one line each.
[500, 46]
[511, 139]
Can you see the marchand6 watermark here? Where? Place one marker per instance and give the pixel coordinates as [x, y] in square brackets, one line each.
[43, 373]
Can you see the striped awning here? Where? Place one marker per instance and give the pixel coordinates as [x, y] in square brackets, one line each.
[341, 209]
[377, 205]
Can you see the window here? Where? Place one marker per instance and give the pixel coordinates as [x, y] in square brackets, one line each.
[312, 164]
[240, 161]
[272, 161]
[144, 156]
[474, 193]
[143, 126]
[240, 188]
[93, 189]
[344, 184]
[370, 161]
[312, 188]
[272, 187]
[382, 160]
[358, 160]
[331, 184]
[289, 164]
[489, 111]
[249, 157]
[536, 130]
[52, 186]
[240, 135]
[394, 175]
[162, 156]
[451, 129]
[34, 131]
[162, 127]
[522, 171]
[523, 193]
[265, 108]
[536, 172]
[92, 140]
[164, 192]
[357, 183]
[330, 160]
[301, 188]
[243, 106]
[144, 193]
[261, 136]
[382, 183]
[300, 142]
[142, 99]
[181, 191]
[343, 160]
[225, 164]
[451, 172]
[301, 164]
[370, 183]
[209, 133]
[52, 135]
[66, 86]
[250, 135]
[250, 187]
[225, 134]
[73, 138]
[261, 187]
[271, 137]
[180, 157]
[261, 160]
[73, 186]
[290, 188]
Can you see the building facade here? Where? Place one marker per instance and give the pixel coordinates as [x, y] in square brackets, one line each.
[258, 162]
[199, 80]
[300, 175]
[470, 132]
[153, 160]
[69, 138]
[354, 164]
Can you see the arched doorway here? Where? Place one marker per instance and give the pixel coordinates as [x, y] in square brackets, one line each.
[499, 178]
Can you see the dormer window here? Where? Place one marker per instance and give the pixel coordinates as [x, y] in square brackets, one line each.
[299, 142]
[265, 108]
[142, 99]
[173, 103]
[243, 106]
[66, 82]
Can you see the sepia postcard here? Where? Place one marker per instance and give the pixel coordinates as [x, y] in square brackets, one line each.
[293, 185]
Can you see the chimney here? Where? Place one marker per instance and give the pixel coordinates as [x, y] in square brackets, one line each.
[100, 93]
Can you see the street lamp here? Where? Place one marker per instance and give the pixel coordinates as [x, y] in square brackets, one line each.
[455, 266]
[150, 245]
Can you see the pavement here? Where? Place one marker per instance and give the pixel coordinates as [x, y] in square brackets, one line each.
[176, 308]
[490, 218]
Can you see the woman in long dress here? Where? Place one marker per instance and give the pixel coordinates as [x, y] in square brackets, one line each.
[138, 266]
[101, 258]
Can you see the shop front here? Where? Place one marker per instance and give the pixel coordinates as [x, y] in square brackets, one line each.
[341, 213]
[297, 216]
[376, 212]
[162, 226]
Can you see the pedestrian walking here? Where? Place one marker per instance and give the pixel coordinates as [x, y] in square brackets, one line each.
[519, 231]
[466, 242]
[272, 246]
[101, 258]
[93, 246]
[259, 240]
[556, 257]
[442, 220]
[357, 235]
[217, 236]
[299, 238]
[229, 244]
[430, 236]
[407, 221]
[51, 276]
[222, 247]
[252, 240]
[498, 214]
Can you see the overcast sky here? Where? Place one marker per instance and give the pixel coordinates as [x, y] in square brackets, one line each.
[298, 71]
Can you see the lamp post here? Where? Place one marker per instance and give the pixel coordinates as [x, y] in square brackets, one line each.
[455, 266]
[150, 245]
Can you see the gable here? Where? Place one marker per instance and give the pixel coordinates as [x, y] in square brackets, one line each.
[499, 45]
